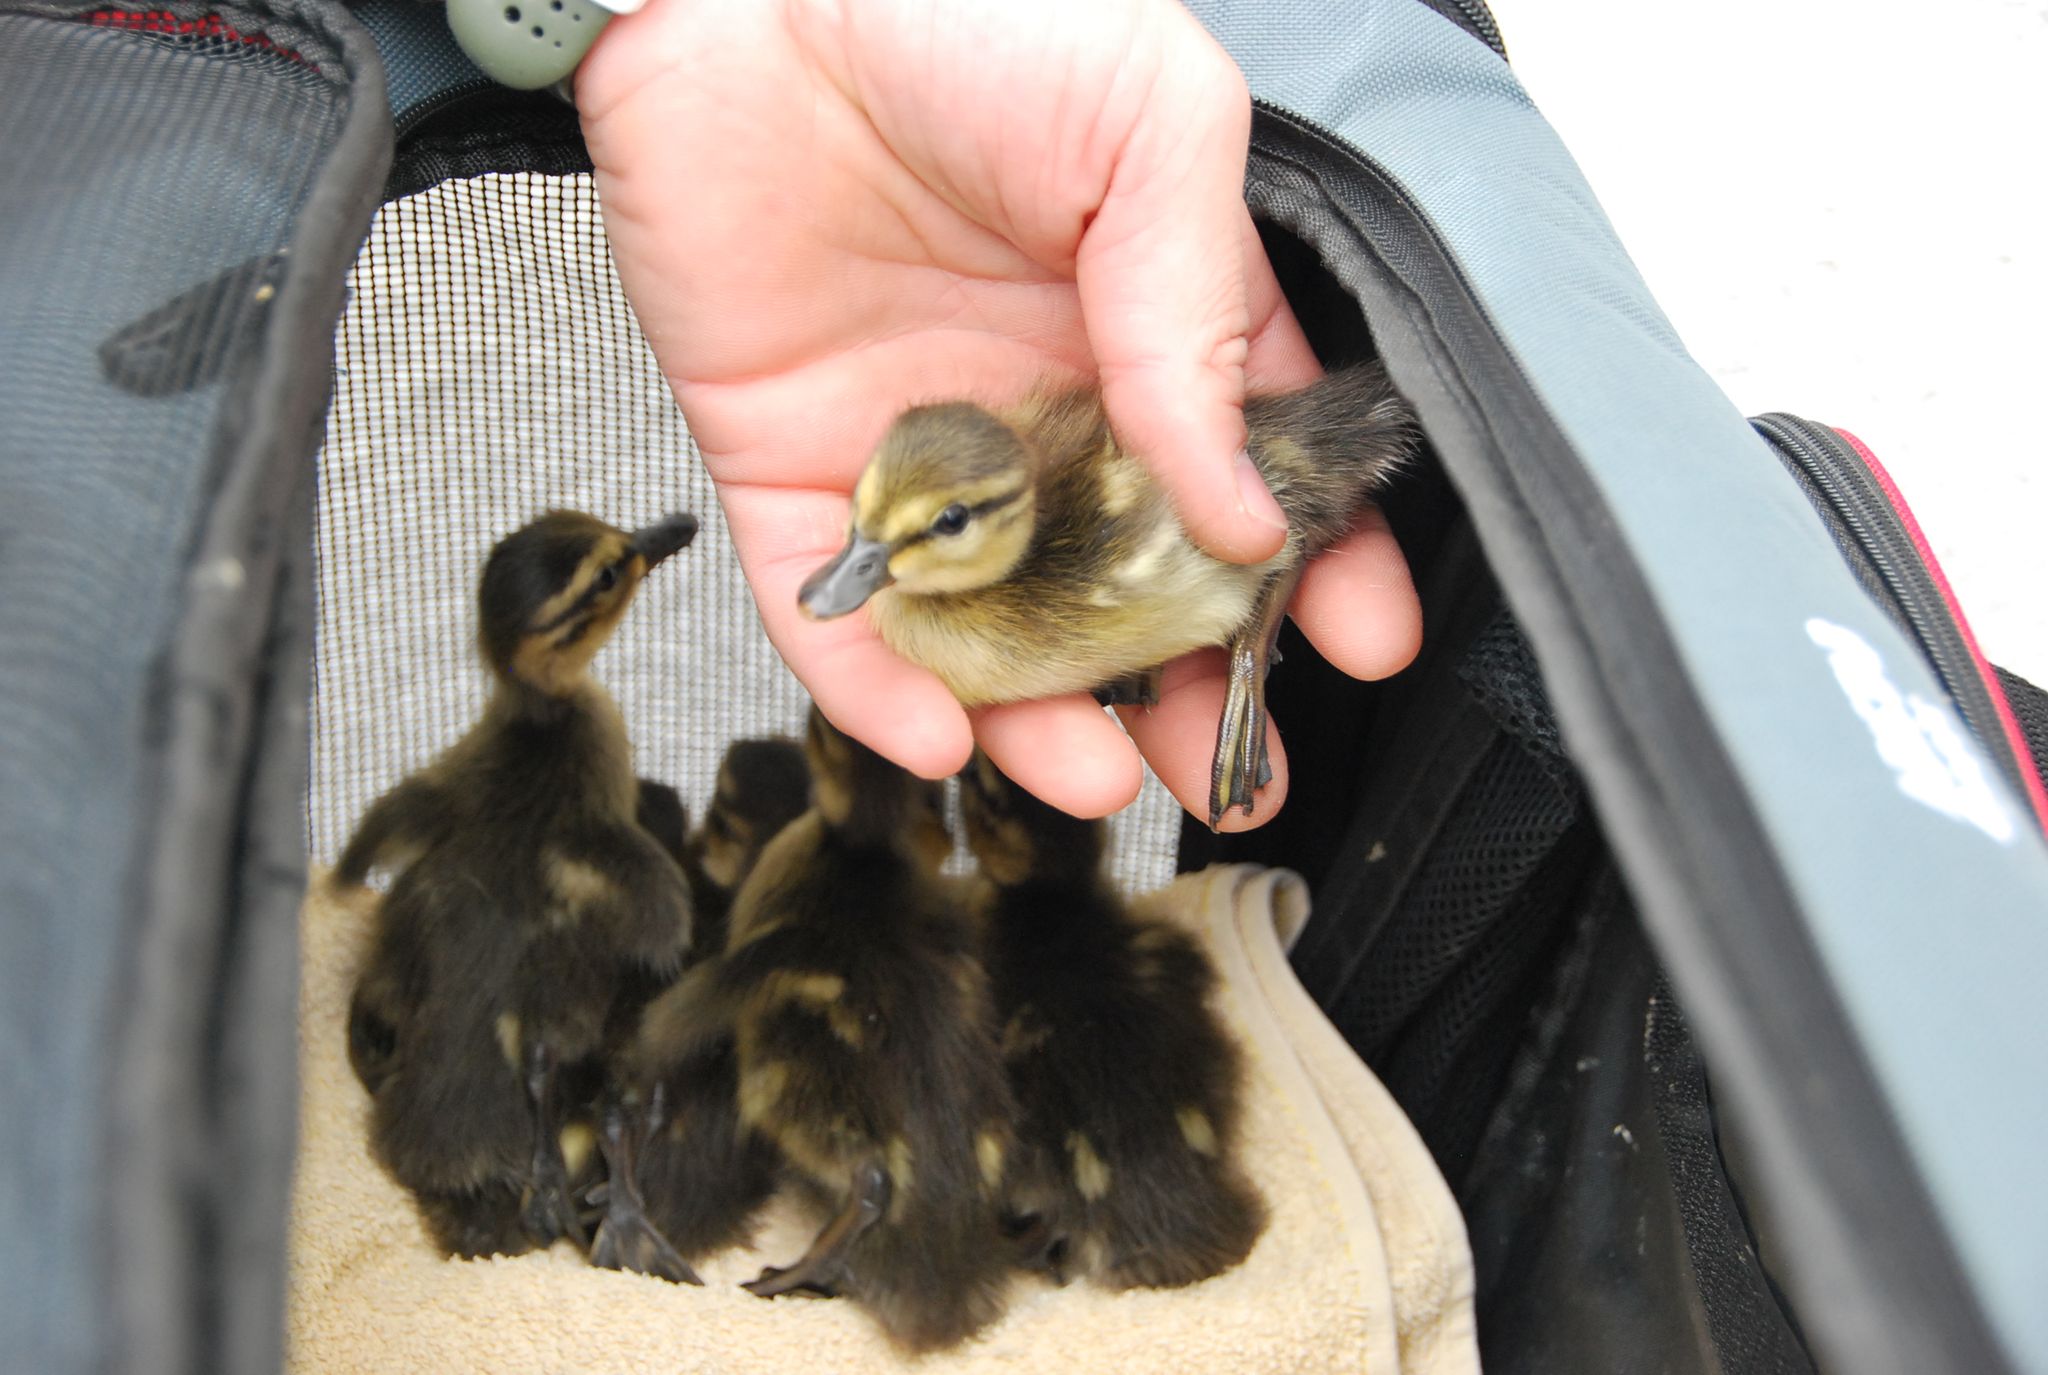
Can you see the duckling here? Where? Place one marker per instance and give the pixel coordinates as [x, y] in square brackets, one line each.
[1024, 553]
[867, 1050]
[662, 814]
[687, 1177]
[762, 786]
[1127, 1088]
[524, 893]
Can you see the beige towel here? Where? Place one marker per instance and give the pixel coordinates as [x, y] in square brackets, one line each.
[1363, 1267]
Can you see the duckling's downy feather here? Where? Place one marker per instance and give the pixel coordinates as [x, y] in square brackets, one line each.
[1110, 582]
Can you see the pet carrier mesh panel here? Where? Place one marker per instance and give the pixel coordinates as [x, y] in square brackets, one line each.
[1654, 734]
[162, 377]
[489, 369]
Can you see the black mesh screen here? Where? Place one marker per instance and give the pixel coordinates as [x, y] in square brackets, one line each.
[156, 167]
[490, 367]
[1437, 1002]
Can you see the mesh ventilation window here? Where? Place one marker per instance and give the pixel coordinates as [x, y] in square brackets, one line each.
[489, 368]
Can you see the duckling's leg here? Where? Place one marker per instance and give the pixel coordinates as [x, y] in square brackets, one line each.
[550, 1211]
[1242, 766]
[821, 1268]
[1140, 689]
[627, 1240]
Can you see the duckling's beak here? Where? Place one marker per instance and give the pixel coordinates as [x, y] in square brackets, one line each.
[657, 541]
[856, 573]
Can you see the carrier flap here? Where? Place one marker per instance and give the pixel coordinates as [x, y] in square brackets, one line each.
[183, 189]
[1847, 894]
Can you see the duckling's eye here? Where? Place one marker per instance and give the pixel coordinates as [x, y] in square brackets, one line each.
[608, 579]
[950, 521]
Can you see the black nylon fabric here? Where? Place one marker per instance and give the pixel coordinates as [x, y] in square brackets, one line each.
[1605, 1234]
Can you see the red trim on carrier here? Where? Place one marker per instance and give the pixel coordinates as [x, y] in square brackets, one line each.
[212, 26]
[2037, 793]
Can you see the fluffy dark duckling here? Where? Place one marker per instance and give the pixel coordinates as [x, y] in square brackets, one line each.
[660, 811]
[694, 1176]
[1127, 1088]
[762, 786]
[1023, 553]
[524, 895]
[867, 1049]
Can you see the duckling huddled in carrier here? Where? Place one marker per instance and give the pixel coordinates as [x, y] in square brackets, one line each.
[1125, 1164]
[1023, 553]
[524, 896]
[762, 786]
[686, 1176]
[867, 1050]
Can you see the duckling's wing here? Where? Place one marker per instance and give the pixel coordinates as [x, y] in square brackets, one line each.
[686, 1020]
[620, 880]
[451, 1111]
[412, 816]
[386, 1000]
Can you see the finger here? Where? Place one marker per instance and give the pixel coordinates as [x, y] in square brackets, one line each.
[816, 426]
[1163, 282]
[897, 709]
[1065, 750]
[1278, 356]
[1357, 602]
[1178, 739]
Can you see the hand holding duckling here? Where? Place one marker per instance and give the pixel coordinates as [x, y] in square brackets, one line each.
[825, 214]
[1024, 553]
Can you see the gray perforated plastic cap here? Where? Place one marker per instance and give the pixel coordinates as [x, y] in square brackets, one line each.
[526, 44]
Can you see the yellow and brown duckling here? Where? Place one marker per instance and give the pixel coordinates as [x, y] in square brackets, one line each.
[524, 894]
[690, 1176]
[1125, 1165]
[867, 1050]
[1023, 553]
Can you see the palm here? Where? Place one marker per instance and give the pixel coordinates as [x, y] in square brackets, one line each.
[809, 254]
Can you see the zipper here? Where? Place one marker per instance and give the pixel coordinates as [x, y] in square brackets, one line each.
[435, 104]
[1479, 19]
[1877, 539]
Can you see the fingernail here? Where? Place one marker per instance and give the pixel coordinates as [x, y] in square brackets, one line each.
[1253, 498]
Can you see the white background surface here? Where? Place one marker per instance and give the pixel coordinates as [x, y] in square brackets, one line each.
[1843, 207]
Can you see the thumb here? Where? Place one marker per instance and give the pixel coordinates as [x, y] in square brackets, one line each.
[1163, 280]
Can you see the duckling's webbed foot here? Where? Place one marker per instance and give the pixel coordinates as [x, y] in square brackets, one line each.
[1038, 1247]
[1242, 765]
[627, 1239]
[1140, 689]
[550, 1209]
[822, 1269]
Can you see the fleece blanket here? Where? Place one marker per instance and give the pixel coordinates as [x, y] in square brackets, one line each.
[1363, 1267]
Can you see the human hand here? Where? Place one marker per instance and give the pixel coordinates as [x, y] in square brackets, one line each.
[826, 212]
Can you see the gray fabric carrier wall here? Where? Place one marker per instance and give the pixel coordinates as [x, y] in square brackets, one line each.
[1683, 894]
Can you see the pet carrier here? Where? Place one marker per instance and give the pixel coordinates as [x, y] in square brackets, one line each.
[1688, 892]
